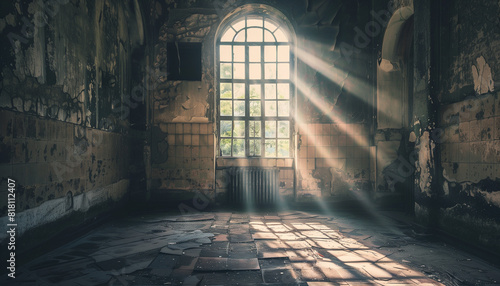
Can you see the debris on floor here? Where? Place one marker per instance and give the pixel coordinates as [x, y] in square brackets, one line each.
[292, 248]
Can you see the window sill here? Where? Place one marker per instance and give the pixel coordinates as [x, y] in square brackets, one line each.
[223, 162]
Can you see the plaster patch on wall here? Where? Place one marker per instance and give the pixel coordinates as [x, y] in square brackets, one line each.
[483, 80]
[183, 102]
[492, 198]
[425, 162]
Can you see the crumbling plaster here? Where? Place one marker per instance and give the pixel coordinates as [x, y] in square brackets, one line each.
[65, 70]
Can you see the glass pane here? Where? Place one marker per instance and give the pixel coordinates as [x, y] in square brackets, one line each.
[270, 53]
[268, 37]
[255, 91]
[270, 148]
[239, 108]
[238, 147]
[254, 129]
[255, 108]
[240, 37]
[225, 147]
[226, 129]
[255, 71]
[239, 54]
[283, 108]
[254, 22]
[283, 71]
[284, 129]
[270, 129]
[270, 71]
[239, 25]
[226, 108]
[254, 54]
[239, 91]
[225, 90]
[280, 36]
[255, 147]
[239, 129]
[228, 35]
[270, 91]
[225, 53]
[239, 71]
[283, 148]
[283, 91]
[283, 53]
[270, 108]
[270, 25]
[225, 71]
[255, 35]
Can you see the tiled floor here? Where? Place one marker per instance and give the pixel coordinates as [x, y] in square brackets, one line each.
[224, 248]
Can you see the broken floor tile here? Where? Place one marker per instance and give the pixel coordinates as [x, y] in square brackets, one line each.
[168, 250]
[242, 264]
[279, 276]
[211, 264]
[271, 254]
[191, 281]
[161, 272]
[164, 261]
[204, 240]
[221, 237]
[190, 226]
[274, 263]
[264, 235]
[197, 217]
[287, 236]
[310, 274]
[186, 262]
[371, 269]
[339, 271]
[240, 237]
[208, 264]
[183, 245]
[232, 278]
[193, 252]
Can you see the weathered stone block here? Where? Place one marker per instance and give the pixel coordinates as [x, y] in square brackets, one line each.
[451, 134]
[463, 132]
[487, 126]
[475, 130]
[179, 128]
[187, 128]
[311, 164]
[187, 139]
[496, 128]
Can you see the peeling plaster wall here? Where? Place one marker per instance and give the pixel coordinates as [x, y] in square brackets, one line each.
[66, 73]
[183, 140]
[395, 155]
[463, 199]
[324, 36]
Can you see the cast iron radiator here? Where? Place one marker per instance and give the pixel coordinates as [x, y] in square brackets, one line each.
[254, 186]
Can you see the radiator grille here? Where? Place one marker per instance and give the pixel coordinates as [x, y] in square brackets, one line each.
[255, 186]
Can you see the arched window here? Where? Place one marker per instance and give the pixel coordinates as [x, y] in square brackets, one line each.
[253, 55]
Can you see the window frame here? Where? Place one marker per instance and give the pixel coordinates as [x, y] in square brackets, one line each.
[263, 81]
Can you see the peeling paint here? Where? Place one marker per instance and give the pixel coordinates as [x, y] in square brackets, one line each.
[483, 80]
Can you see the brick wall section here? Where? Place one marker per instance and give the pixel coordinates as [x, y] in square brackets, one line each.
[190, 163]
[331, 157]
[50, 158]
[470, 149]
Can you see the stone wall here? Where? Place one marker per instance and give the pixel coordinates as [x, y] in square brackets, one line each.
[468, 203]
[65, 108]
[334, 160]
[318, 32]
